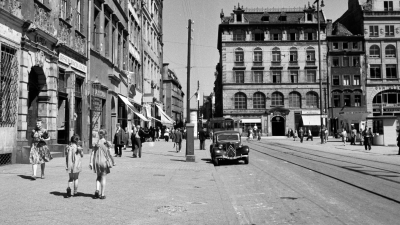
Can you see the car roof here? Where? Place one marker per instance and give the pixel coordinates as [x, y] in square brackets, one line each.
[227, 131]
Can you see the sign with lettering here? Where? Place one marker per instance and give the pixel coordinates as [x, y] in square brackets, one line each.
[97, 104]
[99, 91]
[75, 64]
[387, 88]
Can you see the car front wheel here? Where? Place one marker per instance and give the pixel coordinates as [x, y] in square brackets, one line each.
[246, 160]
[215, 161]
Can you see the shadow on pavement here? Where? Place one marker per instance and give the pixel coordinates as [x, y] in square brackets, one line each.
[57, 193]
[207, 160]
[178, 160]
[26, 177]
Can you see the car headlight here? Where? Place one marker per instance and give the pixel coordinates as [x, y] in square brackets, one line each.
[240, 146]
[220, 147]
[217, 151]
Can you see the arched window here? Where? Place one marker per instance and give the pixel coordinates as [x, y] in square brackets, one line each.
[294, 100]
[390, 51]
[258, 35]
[259, 100]
[257, 55]
[239, 56]
[239, 35]
[240, 101]
[312, 100]
[293, 54]
[374, 51]
[276, 54]
[277, 99]
[310, 55]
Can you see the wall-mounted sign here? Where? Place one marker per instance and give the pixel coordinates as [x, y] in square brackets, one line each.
[387, 88]
[97, 104]
[99, 91]
[75, 64]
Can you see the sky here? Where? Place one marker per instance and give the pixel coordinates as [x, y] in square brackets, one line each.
[206, 17]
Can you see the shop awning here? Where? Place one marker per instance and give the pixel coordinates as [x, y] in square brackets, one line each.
[163, 114]
[312, 120]
[141, 116]
[126, 101]
[251, 120]
[156, 119]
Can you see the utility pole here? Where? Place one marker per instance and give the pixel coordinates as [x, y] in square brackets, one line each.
[189, 126]
[198, 106]
[319, 68]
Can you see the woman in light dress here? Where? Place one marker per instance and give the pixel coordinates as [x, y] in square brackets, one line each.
[73, 156]
[40, 153]
[101, 161]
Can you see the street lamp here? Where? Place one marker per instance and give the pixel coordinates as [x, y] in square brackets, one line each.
[320, 3]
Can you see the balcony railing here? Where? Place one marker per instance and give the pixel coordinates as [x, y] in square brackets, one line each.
[310, 63]
[239, 64]
[276, 63]
[383, 13]
[257, 64]
[293, 63]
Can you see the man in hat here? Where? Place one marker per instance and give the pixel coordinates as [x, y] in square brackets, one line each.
[118, 140]
[135, 138]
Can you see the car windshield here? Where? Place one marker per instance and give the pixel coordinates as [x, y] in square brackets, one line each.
[228, 137]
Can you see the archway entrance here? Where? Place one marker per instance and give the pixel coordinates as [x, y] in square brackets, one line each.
[278, 126]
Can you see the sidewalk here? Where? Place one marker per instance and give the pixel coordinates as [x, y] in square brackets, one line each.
[159, 188]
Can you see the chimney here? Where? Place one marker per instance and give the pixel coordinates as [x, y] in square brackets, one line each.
[329, 27]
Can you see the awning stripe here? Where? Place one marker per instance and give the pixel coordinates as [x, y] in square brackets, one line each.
[164, 114]
[312, 120]
[141, 116]
[126, 101]
[251, 120]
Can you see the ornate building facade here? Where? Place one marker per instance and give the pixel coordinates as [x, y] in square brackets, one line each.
[269, 68]
[172, 96]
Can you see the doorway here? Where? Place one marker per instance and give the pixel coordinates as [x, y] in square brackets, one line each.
[278, 126]
[62, 120]
[34, 89]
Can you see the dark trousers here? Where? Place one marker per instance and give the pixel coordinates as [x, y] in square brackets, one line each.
[178, 145]
[301, 139]
[367, 143]
[118, 149]
[166, 138]
[309, 137]
[202, 145]
[137, 151]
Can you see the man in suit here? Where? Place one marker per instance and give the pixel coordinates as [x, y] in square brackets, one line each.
[178, 140]
[118, 142]
[202, 138]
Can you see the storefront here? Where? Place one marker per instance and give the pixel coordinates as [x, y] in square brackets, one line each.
[97, 117]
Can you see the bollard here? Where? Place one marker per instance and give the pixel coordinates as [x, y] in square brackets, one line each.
[190, 157]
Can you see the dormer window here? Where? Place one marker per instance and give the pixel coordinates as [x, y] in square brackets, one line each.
[239, 17]
[309, 17]
[388, 5]
[265, 18]
[283, 18]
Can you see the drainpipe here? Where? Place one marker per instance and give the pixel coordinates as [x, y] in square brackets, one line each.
[88, 72]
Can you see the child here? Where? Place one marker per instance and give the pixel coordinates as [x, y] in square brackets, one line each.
[101, 161]
[73, 156]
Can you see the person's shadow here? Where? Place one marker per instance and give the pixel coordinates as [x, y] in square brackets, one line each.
[57, 193]
[26, 177]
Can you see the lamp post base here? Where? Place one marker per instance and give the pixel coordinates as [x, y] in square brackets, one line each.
[190, 158]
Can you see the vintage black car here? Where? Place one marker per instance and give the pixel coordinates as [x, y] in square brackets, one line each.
[227, 145]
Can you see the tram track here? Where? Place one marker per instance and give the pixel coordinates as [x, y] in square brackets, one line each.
[388, 188]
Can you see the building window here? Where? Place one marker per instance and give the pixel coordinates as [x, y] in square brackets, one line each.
[257, 55]
[335, 61]
[265, 18]
[345, 45]
[389, 31]
[375, 71]
[388, 5]
[311, 76]
[275, 36]
[391, 71]
[310, 55]
[292, 36]
[356, 80]
[277, 99]
[309, 36]
[276, 76]
[276, 55]
[239, 17]
[336, 80]
[106, 37]
[258, 76]
[78, 16]
[312, 100]
[347, 100]
[64, 9]
[239, 77]
[335, 45]
[294, 77]
[374, 51]
[373, 31]
[240, 101]
[239, 57]
[258, 35]
[346, 61]
[239, 35]
[294, 100]
[390, 51]
[96, 29]
[293, 55]
[357, 100]
[309, 17]
[356, 61]
[259, 101]
[346, 80]
[355, 45]
[336, 100]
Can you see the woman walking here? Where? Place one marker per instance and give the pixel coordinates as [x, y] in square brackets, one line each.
[73, 156]
[344, 136]
[172, 136]
[295, 135]
[101, 161]
[40, 153]
[166, 134]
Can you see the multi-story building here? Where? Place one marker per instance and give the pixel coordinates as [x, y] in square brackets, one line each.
[379, 22]
[346, 57]
[152, 56]
[172, 96]
[43, 74]
[269, 67]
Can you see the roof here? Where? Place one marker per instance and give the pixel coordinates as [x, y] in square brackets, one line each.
[340, 30]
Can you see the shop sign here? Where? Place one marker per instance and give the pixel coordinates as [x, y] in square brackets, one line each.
[355, 112]
[75, 64]
[391, 110]
[307, 112]
[97, 104]
[98, 91]
[382, 88]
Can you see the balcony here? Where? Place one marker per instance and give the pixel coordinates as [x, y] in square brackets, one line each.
[276, 63]
[310, 63]
[382, 13]
[257, 64]
[241, 64]
[293, 63]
